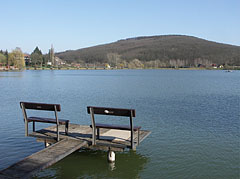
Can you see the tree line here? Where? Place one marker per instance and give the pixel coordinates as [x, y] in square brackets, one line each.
[14, 58]
[17, 59]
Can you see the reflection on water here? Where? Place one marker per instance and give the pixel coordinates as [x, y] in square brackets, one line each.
[112, 166]
[88, 163]
[11, 74]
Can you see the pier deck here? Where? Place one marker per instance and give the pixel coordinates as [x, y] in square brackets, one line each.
[78, 136]
[118, 140]
[42, 159]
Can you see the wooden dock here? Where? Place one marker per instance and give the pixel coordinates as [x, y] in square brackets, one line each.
[117, 140]
[78, 136]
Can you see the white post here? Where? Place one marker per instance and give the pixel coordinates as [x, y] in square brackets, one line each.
[47, 144]
[111, 156]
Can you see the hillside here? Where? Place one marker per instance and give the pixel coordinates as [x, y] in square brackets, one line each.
[156, 51]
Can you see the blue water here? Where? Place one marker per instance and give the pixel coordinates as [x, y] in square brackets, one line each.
[194, 117]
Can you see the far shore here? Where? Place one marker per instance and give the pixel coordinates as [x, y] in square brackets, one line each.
[74, 68]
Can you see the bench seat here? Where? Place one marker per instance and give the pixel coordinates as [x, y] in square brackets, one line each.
[47, 120]
[120, 127]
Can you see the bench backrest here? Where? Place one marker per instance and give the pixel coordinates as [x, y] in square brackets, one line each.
[40, 106]
[112, 111]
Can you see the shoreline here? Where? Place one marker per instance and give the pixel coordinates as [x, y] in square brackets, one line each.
[39, 69]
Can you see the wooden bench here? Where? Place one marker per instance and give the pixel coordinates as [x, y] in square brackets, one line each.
[45, 107]
[114, 112]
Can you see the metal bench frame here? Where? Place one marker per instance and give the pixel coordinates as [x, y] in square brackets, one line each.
[46, 107]
[114, 112]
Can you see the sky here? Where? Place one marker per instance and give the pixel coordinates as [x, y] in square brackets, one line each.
[75, 24]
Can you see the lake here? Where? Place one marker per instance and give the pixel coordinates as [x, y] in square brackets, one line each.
[194, 116]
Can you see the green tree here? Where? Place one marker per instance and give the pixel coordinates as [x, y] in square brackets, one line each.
[45, 59]
[37, 57]
[3, 59]
[6, 55]
[16, 58]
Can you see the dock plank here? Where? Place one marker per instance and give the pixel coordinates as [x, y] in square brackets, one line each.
[42, 159]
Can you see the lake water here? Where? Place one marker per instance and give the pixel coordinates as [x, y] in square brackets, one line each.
[194, 117]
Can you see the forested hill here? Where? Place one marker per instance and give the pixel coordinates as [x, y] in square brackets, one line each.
[157, 51]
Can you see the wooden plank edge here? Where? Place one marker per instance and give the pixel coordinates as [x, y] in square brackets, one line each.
[145, 136]
[51, 162]
[55, 160]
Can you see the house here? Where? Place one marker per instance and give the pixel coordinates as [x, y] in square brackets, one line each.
[59, 61]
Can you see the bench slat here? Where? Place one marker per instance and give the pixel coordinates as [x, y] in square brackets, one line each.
[41, 106]
[112, 111]
[46, 120]
[120, 127]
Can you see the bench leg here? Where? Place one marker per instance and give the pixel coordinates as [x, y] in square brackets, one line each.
[138, 137]
[132, 140]
[57, 133]
[98, 133]
[26, 128]
[66, 128]
[33, 126]
[93, 136]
